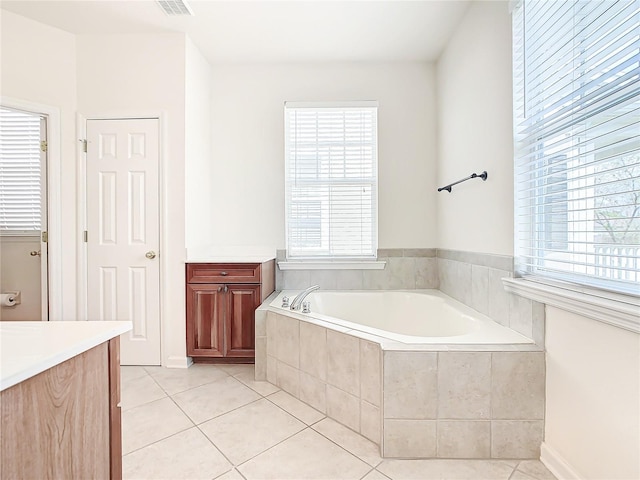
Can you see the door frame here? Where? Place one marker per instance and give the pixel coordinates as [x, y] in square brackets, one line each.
[53, 291]
[82, 258]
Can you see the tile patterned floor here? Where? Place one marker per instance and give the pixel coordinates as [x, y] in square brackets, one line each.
[215, 422]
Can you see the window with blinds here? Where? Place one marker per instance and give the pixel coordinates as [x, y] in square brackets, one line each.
[577, 141]
[20, 173]
[331, 180]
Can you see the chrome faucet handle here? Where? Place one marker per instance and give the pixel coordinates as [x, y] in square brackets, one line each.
[306, 307]
[285, 302]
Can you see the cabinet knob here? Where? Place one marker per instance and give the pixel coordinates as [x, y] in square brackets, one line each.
[224, 274]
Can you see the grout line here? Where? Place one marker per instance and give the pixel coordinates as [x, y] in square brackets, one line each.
[222, 414]
[271, 447]
[157, 441]
[345, 448]
[361, 478]
[294, 416]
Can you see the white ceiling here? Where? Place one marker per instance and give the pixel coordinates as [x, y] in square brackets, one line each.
[271, 31]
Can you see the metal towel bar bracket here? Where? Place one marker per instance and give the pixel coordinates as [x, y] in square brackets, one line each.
[483, 176]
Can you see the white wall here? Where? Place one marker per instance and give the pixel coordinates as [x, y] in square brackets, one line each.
[144, 75]
[475, 133]
[593, 396]
[248, 146]
[199, 209]
[39, 66]
[593, 370]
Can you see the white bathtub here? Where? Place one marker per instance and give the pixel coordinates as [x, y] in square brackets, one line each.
[410, 317]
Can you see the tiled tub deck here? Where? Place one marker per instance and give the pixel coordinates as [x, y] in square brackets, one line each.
[428, 401]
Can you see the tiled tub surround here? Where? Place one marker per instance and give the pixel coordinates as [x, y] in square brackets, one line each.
[405, 269]
[475, 279]
[445, 401]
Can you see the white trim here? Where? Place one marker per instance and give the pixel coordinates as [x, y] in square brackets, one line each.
[178, 362]
[337, 265]
[81, 181]
[348, 104]
[614, 309]
[54, 212]
[556, 464]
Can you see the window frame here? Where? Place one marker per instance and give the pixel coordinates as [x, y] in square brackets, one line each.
[600, 300]
[314, 260]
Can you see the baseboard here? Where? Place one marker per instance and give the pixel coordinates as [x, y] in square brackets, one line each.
[178, 362]
[556, 464]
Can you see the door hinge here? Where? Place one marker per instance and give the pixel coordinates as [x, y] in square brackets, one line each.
[85, 236]
[45, 237]
[84, 146]
[44, 145]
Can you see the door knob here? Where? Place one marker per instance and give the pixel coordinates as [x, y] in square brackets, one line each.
[150, 254]
[35, 253]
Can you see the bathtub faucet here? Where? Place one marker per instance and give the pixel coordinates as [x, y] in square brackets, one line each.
[295, 305]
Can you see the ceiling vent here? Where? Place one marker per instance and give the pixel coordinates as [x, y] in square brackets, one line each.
[175, 7]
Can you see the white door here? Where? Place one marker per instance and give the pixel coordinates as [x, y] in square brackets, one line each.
[123, 232]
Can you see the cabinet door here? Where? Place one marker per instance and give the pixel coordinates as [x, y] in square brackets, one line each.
[240, 328]
[205, 320]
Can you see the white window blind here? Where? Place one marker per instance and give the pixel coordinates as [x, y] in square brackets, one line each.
[20, 173]
[577, 140]
[331, 180]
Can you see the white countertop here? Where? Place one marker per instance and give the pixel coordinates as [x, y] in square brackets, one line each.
[229, 259]
[230, 255]
[29, 348]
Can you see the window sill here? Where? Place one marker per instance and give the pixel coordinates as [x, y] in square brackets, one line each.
[331, 265]
[622, 311]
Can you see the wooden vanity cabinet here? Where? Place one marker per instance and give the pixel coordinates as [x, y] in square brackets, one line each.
[221, 303]
[65, 422]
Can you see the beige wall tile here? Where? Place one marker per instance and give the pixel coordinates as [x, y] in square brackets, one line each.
[343, 407]
[261, 322]
[410, 385]
[516, 439]
[464, 439]
[288, 343]
[349, 280]
[464, 385]
[409, 438]
[296, 279]
[261, 359]
[272, 375]
[521, 315]
[313, 392]
[272, 335]
[517, 385]
[538, 323]
[288, 378]
[343, 362]
[499, 304]
[370, 422]
[370, 372]
[313, 350]
[327, 279]
[426, 272]
[401, 273]
[376, 279]
[480, 288]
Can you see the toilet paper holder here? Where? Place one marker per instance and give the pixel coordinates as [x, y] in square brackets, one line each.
[14, 297]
